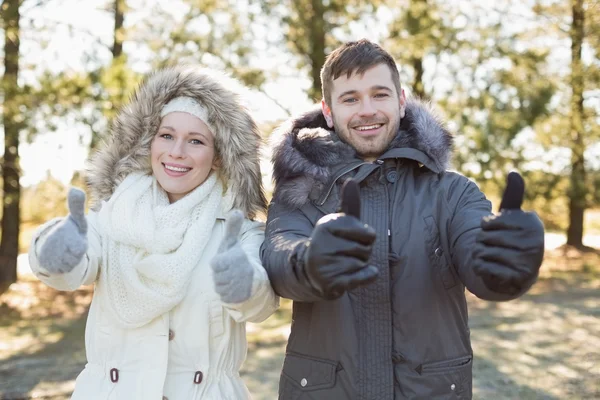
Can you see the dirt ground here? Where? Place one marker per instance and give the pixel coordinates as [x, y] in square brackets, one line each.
[545, 345]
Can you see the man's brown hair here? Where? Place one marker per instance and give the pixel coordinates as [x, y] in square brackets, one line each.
[355, 57]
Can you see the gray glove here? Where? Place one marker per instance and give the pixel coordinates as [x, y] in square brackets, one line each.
[232, 271]
[67, 241]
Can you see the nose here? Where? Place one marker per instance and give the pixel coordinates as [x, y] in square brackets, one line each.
[177, 149]
[367, 108]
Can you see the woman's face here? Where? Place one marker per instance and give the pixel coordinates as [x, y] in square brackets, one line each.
[182, 154]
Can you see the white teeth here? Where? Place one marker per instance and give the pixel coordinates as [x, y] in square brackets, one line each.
[368, 127]
[176, 169]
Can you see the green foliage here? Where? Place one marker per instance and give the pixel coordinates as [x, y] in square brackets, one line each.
[212, 33]
[92, 98]
[421, 29]
[44, 201]
[500, 91]
[112, 87]
[545, 195]
[48, 199]
[313, 28]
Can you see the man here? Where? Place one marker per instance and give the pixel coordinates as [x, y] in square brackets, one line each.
[379, 294]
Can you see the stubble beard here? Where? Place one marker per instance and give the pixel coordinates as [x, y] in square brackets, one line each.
[368, 148]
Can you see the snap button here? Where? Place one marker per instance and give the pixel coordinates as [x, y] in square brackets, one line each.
[114, 375]
[439, 252]
[198, 377]
[452, 387]
[303, 382]
[171, 334]
[392, 176]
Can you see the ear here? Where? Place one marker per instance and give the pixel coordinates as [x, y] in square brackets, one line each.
[217, 163]
[327, 113]
[402, 103]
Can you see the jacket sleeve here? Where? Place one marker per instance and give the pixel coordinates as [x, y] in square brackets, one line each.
[85, 273]
[263, 301]
[470, 207]
[287, 234]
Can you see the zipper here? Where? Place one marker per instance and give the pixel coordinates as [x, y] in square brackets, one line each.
[389, 240]
[340, 174]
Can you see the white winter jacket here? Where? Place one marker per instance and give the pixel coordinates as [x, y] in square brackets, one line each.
[193, 352]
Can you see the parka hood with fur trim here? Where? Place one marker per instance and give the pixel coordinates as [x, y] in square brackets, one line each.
[237, 137]
[306, 152]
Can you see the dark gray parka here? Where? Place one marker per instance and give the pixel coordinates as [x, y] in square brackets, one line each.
[405, 336]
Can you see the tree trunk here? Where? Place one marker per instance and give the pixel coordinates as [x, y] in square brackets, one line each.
[9, 245]
[578, 191]
[317, 48]
[117, 53]
[418, 12]
[118, 33]
[418, 89]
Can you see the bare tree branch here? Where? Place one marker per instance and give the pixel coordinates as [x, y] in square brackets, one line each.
[284, 108]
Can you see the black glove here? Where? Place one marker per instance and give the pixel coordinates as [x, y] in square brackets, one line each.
[510, 247]
[339, 248]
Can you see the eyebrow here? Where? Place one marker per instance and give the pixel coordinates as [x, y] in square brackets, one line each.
[346, 93]
[381, 87]
[353, 91]
[191, 133]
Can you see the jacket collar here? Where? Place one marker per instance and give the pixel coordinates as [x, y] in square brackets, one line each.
[306, 153]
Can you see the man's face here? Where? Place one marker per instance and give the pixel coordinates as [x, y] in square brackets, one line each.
[366, 110]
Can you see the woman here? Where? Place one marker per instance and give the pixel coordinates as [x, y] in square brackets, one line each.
[174, 261]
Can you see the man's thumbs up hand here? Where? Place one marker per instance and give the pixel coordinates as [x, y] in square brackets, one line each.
[510, 247]
[338, 251]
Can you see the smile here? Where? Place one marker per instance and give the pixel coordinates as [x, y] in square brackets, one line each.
[368, 127]
[176, 169]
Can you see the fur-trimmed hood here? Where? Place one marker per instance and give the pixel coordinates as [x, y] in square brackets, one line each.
[306, 152]
[238, 139]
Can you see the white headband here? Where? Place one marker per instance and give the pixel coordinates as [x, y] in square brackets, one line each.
[187, 105]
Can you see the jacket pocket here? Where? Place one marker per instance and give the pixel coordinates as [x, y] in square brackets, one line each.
[305, 375]
[440, 367]
[446, 379]
[437, 256]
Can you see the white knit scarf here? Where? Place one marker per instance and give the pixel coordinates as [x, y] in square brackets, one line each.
[153, 246]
